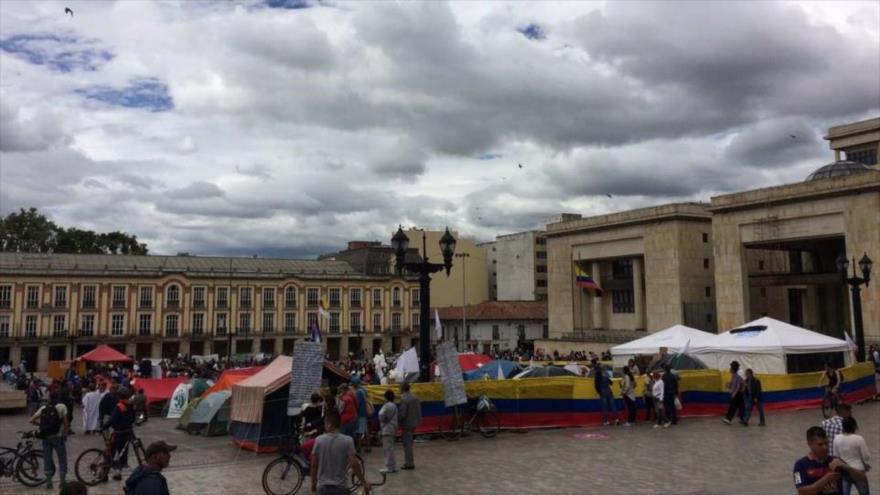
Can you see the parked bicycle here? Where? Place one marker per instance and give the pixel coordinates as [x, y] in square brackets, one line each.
[482, 416]
[93, 465]
[285, 475]
[24, 463]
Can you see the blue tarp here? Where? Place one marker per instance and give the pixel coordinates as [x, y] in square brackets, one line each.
[508, 368]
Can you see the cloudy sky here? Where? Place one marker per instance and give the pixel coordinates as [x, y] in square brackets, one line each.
[286, 127]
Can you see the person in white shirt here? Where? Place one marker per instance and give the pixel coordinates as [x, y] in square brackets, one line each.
[851, 449]
[657, 389]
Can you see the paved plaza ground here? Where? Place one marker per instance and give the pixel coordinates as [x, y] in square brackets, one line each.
[699, 456]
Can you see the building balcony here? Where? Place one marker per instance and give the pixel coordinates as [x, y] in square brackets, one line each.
[244, 305]
[290, 305]
[115, 305]
[59, 334]
[85, 305]
[354, 304]
[145, 305]
[172, 304]
[5, 304]
[222, 304]
[335, 330]
[243, 331]
[290, 330]
[197, 333]
[396, 304]
[268, 304]
[198, 304]
[172, 333]
[220, 332]
[33, 305]
[87, 332]
[145, 332]
[60, 305]
[268, 330]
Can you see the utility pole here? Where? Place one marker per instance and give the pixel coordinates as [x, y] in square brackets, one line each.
[464, 257]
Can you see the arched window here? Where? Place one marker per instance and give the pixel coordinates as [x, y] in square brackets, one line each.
[290, 297]
[172, 296]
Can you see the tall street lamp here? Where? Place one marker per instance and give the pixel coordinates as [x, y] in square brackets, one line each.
[424, 269]
[855, 282]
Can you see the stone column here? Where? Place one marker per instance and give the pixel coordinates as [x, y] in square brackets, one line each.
[639, 292]
[598, 315]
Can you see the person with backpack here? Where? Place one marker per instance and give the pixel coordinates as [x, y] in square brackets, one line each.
[107, 403]
[34, 396]
[147, 478]
[51, 419]
[122, 421]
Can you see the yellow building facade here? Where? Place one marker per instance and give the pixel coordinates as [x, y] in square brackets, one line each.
[53, 306]
[467, 283]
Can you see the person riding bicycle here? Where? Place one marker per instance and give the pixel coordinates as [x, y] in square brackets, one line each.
[122, 421]
[833, 379]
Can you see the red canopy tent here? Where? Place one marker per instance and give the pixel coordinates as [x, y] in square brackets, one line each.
[157, 389]
[105, 354]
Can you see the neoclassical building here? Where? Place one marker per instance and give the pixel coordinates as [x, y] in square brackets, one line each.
[55, 305]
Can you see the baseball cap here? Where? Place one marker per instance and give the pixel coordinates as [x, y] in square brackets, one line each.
[159, 446]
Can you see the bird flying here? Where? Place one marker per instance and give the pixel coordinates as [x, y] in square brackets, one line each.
[520, 165]
[68, 11]
[609, 195]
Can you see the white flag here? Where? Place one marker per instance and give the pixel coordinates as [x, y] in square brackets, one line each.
[437, 328]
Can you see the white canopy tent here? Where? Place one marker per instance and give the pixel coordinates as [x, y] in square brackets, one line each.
[674, 338]
[763, 344]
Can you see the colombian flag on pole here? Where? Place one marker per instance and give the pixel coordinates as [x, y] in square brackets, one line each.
[586, 282]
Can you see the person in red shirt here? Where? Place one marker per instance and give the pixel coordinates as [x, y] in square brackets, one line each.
[349, 411]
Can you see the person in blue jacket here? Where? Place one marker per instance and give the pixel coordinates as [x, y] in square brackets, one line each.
[147, 479]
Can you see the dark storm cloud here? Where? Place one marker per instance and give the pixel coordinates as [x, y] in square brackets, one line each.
[775, 144]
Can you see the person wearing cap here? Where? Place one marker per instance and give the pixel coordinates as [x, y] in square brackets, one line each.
[147, 478]
[122, 421]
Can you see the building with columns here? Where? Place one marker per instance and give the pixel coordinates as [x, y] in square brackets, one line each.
[653, 264]
[53, 306]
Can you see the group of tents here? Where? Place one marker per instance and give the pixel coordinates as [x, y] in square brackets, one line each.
[765, 345]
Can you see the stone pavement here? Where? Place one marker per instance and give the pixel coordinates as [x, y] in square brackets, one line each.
[699, 456]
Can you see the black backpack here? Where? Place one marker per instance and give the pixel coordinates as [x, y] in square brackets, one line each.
[50, 422]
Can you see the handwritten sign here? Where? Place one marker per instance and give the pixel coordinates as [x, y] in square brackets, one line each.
[308, 363]
[450, 372]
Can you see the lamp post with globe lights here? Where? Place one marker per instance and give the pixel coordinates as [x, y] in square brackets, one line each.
[424, 269]
[855, 282]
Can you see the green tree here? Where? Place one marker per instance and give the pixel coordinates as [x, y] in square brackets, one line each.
[30, 231]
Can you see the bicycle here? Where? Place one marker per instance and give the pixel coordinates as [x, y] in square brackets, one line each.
[285, 474]
[93, 465]
[24, 463]
[830, 400]
[484, 417]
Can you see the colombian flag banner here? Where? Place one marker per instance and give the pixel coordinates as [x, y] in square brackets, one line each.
[586, 282]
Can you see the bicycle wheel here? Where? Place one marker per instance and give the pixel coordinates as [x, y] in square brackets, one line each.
[7, 462]
[283, 476]
[451, 426]
[356, 483]
[489, 422]
[92, 466]
[29, 468]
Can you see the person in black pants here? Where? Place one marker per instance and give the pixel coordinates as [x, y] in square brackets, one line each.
[649, 396]
[753, 397]
[735, 389]
[670, 392]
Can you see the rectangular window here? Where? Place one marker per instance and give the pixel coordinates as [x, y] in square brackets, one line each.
[198, 324]
[30, 326]
[865, 156]
[118, 296]
[199, 297]
[414, 320]
[145, 325]
[545, 331]
[708, 292]
[377, 322]
[496, 332]
[268, 297]
[395, 322]
[623, 301]
[312, 296]
[395, 297]
[416, 297]
[244, 323]
[222, 294]
[5, 296]
[334, 322]
[541, 255]
[354, 322]
[117, 325]
[763, 292]
[705, 237]
[290, 297]
[705, 262]
[541, 269]
[145, 301]
[60, 296]
[354, 298]
[4, 326]
[90, 299]
[622, 269]
[244, 297]
[312, 319]
[221, 325]
[87, 326]
[171, 329]
[33, 296]
[540, 283]
[760, 264]
[377, 298]
[290, 322]
[335, 298]
[58, 326]
[268, 322]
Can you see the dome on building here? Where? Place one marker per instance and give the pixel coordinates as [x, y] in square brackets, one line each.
[838, 169]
